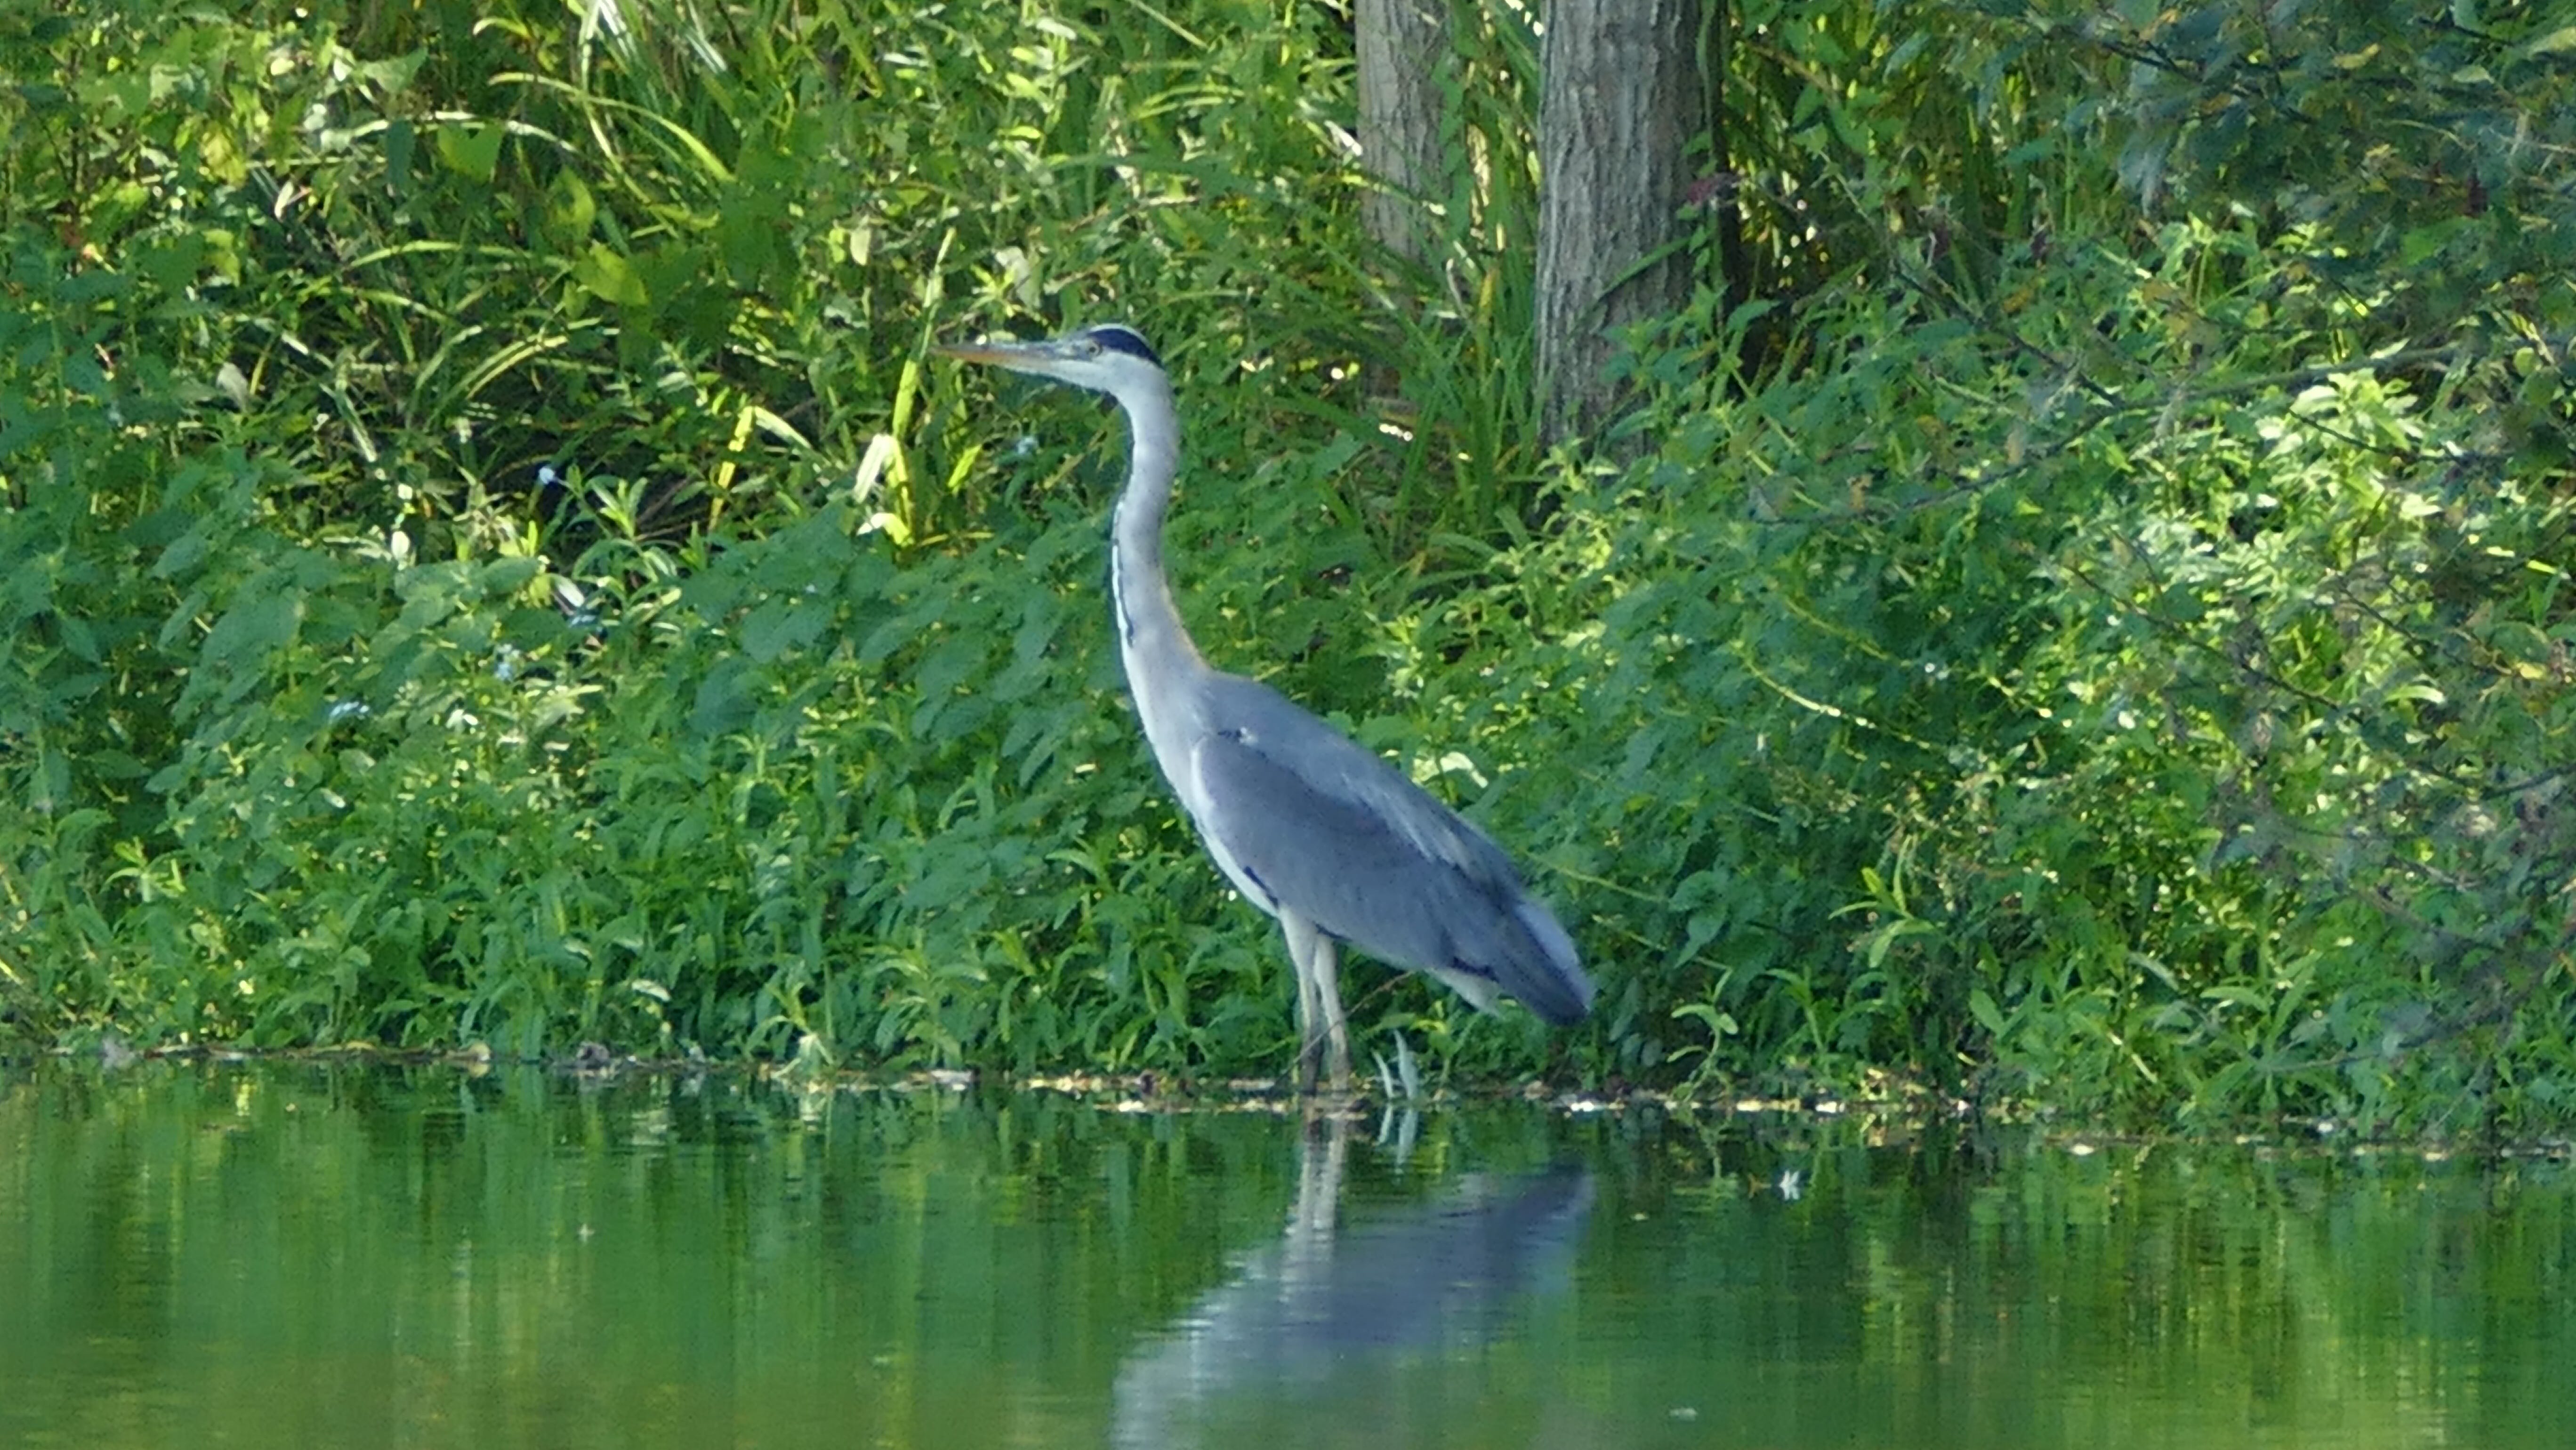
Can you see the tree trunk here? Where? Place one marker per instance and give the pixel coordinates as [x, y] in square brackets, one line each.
[1404, 52]
[1620, 99]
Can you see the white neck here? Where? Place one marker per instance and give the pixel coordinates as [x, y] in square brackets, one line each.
[1160, 659]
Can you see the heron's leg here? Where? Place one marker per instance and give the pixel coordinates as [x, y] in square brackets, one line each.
[1321, 1039]
[1301, 938]
[1327, 969]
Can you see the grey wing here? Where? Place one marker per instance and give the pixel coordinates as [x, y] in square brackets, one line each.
[1338, 835]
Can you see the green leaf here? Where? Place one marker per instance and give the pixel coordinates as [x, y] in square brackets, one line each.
[570, 211]
[252, 627]
[503, 577]
[781, 625]
[1981, 1005]
[724, 698]
[471, 149]
[2425, 242]
[78, 637]
[610, 277]
[2556, 42]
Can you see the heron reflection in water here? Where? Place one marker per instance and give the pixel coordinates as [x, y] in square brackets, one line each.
[1331, 1301]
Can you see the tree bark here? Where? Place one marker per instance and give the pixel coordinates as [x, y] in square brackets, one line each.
[1620, 99]
[1404, 55]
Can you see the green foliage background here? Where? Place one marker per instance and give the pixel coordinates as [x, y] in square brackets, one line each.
[484, 555]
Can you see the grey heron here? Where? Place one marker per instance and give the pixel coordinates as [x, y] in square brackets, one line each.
[1335, 843]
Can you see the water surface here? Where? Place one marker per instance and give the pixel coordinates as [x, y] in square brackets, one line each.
[207, 1254]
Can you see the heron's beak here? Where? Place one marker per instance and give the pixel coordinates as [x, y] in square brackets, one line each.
[1019, 357]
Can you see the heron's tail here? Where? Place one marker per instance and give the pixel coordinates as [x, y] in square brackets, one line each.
[1541, 969]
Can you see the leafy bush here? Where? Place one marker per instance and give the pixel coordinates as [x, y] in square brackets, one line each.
[564, 612]
[2147, 656]
[485, 557]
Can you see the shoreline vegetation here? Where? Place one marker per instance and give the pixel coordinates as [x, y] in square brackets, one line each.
[487, 556]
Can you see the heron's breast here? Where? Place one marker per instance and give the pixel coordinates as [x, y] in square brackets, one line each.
[1173, 729]
[1207, 814]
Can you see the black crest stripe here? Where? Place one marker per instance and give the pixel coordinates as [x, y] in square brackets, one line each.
[1118, 337]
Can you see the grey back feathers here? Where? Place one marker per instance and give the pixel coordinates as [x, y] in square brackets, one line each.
[1332, 830]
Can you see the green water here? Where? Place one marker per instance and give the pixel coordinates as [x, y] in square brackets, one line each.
[200, 1254]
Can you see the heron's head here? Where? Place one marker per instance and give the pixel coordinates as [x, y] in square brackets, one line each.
[1107, 358]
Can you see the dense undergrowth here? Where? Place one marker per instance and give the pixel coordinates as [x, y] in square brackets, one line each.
[484, 556]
